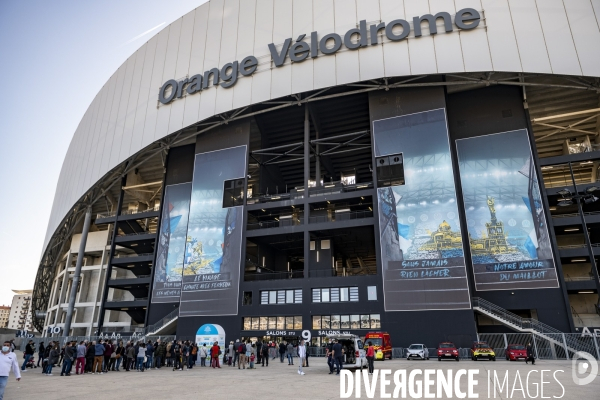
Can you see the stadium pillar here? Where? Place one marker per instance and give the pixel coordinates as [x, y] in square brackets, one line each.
[73, 294]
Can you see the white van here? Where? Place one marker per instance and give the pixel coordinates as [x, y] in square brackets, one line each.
[355, 355]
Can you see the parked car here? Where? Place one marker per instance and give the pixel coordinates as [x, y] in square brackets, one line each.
[417, 351]
[481, 350]
[515, 352]
[381, 343]
[448, 351]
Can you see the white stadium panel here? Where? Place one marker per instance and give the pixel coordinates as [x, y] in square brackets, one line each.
[474, 43]
[192, 103]
[501, 36]
[396, 60]
[371, 57]
[347, 66]
[93, 133]
[146, 94]
[242, 91]
[549, 36]
[182, 68]
[164, 113]
[529, 35]
[586, 34]
[421, 50]
[302, 72]
[263, 35]
[110, 147]
[559, 42]
[122, 111]
[134, 93]
[323, 67]
[155, 84]
[448, 53]
[281, 77]
[211, 57]
[227, 55]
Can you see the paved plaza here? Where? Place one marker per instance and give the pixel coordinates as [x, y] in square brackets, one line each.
[279, 381]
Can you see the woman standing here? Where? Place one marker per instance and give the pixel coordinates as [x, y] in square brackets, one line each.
[140, 357]
[214, 352]
[52, 359]
[230, 353]
[371, 357]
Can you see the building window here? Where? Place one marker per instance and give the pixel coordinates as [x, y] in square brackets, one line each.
[233, 193]
[289, 296]
[371, 293]
[335, 295]
[266, 323]
[355, 321]
[247, 299]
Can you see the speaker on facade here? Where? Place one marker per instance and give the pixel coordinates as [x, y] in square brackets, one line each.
[396, 159]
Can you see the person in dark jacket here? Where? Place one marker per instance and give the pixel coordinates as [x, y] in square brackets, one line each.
[530, 356]
[70, 353]
[89, 357]
[53, 355]
[265, 353]
[149, 354]
[29, 352]
[281, 350]
[159, 354]
[41, 350]
[108, 350]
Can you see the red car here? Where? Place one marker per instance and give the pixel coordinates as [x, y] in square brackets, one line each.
[447, 350]
[515, 352]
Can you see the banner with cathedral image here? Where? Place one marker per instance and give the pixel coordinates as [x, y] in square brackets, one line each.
[171, 244]
[420, 234]
[211, 266]
[508, 232]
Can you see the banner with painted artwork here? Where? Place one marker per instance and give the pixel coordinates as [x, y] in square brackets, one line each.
[171, 244]
[508, 233]
[421, 244]
[211, 267]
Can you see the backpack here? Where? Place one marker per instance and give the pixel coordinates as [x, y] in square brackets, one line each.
[242, 349]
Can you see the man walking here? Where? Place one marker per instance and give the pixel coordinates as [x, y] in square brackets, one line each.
[329, 354]
[8, 361]
[29, 351]
[236, 353]
[301, 356]
[338, 355]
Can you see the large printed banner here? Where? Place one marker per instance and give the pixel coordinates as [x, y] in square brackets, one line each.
[509, 240]
[421, 244]
[211, 267]
[171, 244]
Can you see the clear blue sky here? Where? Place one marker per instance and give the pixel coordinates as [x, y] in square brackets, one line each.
[55, 57]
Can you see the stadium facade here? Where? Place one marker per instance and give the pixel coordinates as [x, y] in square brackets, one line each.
[422, 168]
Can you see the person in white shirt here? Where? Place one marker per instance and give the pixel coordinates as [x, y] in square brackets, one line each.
[8, 361]
[301, 356]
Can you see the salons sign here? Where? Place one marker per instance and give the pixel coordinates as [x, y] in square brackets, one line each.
[300, 49]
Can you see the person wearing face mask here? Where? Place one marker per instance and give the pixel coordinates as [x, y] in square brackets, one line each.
[8, 361]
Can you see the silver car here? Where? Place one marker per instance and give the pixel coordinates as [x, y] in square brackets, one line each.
[417, 351]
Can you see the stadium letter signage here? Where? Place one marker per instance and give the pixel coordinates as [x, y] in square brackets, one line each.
[299, 50]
